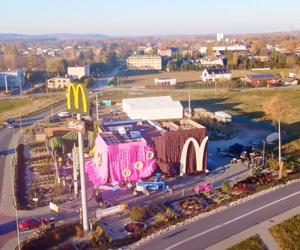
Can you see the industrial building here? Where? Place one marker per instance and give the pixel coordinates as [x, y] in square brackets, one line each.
[10, 80]
[152, 108]
[165, 81]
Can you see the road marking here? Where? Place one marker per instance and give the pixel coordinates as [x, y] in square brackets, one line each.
[230, 221]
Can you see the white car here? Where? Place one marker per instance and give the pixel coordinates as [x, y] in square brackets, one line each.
[64, 114]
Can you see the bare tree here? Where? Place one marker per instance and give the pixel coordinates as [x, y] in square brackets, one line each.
[278, 109]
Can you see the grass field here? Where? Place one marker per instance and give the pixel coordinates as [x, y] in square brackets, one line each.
[144, 78]
[287, 234]
[147, 78]
[248, 103]
[12, 108]
[253, 243]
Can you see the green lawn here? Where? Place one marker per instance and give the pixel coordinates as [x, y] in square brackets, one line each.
[287, 234]
[12, 108]
[10, 104]
[253, 243]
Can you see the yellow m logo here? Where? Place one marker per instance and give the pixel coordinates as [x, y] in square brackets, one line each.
[77, 99]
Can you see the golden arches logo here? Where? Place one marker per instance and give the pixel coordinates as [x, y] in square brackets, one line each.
[77, 99]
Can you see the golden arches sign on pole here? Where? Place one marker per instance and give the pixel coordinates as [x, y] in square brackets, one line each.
[77, 99]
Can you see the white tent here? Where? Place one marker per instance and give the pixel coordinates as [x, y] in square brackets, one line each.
[152, 108]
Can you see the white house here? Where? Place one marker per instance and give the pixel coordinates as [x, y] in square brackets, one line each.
[78, 72]
[212, 75]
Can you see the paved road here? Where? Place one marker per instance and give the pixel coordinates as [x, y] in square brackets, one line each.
[210, 230]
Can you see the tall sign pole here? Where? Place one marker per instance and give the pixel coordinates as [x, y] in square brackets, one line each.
[82, 180]
[77, 101]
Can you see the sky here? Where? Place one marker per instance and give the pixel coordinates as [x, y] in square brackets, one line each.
[148, 17]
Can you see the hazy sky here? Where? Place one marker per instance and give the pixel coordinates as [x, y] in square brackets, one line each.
[148, 17]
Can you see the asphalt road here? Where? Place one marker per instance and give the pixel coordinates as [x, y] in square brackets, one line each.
[215, 228]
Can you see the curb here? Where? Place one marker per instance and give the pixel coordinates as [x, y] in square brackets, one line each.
[206, 214]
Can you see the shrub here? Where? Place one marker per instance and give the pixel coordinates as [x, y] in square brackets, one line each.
[226, 188]
[51, 238]
[137, 213]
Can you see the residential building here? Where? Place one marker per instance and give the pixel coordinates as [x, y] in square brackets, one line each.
[213, 75]
[207, 61]
[165, 81]
[12, 79]
[221, 49]
[168, 52]
[220, 37]
[78, 72]
[58, 83]
[144, 63]
[261, 79]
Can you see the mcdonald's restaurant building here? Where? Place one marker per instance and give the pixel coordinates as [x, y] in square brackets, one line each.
[132, 150]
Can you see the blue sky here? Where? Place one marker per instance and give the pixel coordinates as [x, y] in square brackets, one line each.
[148, 17]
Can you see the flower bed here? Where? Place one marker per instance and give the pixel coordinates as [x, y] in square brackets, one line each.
[134, 227]
[19, 179]
[51, 238]
[191, 205]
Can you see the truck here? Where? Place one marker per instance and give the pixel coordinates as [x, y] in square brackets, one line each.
[145, 187]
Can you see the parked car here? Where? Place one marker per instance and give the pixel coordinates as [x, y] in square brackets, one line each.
[9, 121]
[31, 223]
[64, 114]
[54, 119]
[14, 125]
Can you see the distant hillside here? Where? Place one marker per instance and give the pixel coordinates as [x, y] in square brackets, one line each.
[47, 37]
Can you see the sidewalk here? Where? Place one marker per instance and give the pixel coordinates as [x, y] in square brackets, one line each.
[262, 229]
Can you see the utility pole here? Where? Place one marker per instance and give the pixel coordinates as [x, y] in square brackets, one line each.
[6, 84]
[82, 180]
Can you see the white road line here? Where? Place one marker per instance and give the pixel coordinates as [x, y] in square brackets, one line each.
[230, 221]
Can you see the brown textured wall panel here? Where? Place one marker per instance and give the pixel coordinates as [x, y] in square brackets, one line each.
[168, 150]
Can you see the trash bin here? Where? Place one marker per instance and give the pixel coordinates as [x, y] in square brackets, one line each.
[52, 222]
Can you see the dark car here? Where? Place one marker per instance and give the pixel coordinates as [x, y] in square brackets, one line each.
[31, 223]
[54, 119]
[9, 121]
[14, 125]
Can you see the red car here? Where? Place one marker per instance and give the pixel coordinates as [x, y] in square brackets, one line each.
[31, 223]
